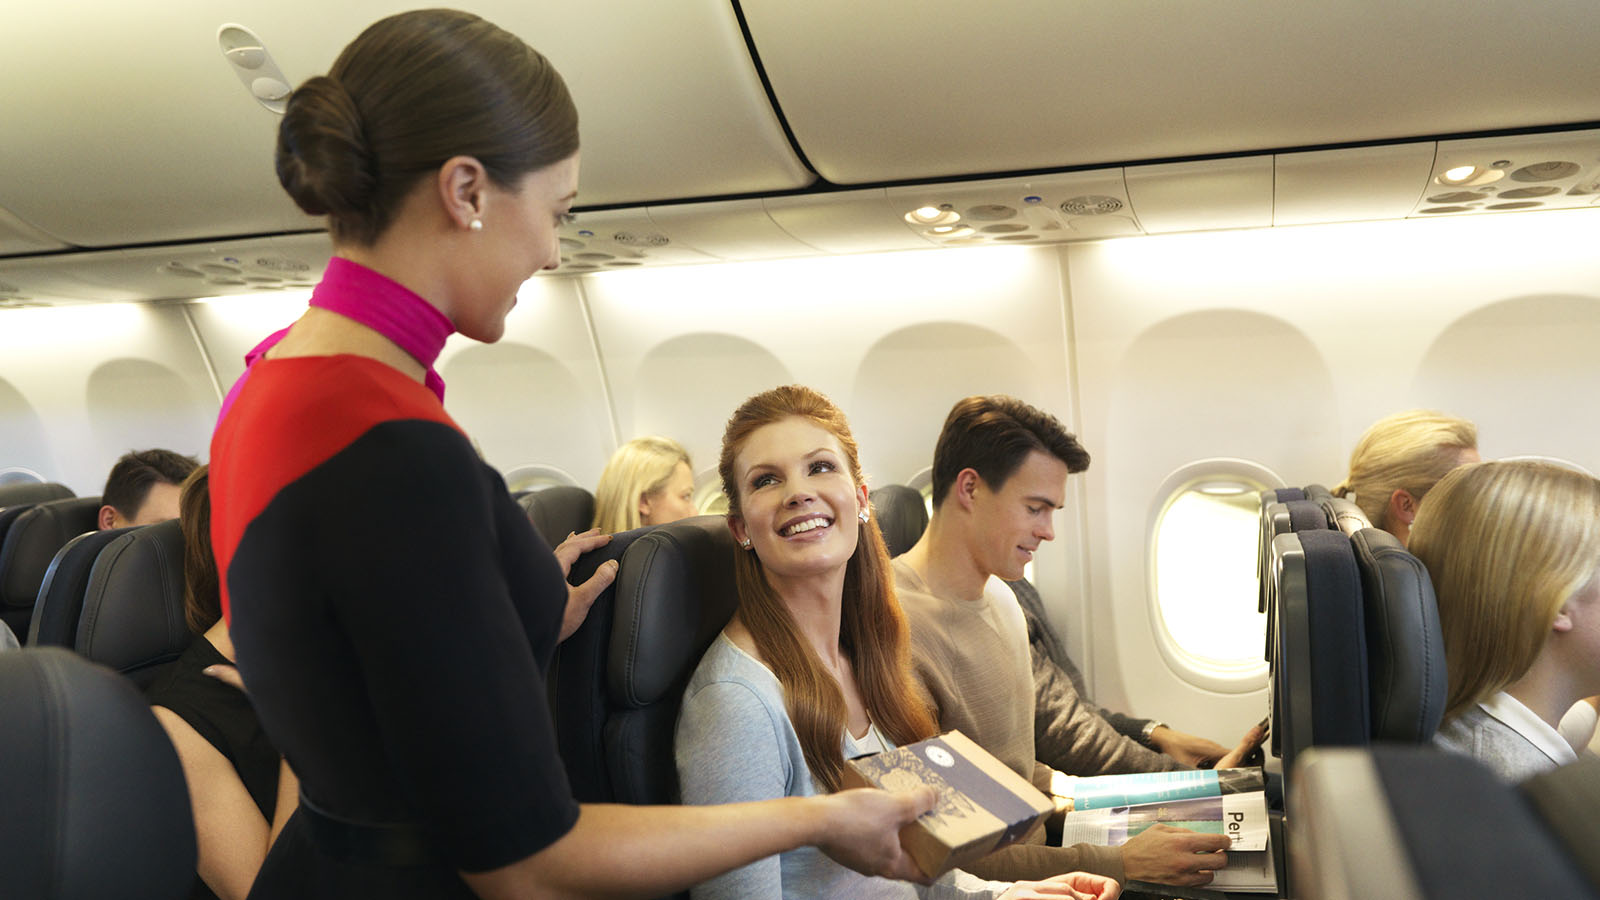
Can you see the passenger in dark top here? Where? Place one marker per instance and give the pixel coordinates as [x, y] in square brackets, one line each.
[393, 609]
[241, 789]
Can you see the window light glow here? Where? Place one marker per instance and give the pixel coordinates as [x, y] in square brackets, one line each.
[1206, 576]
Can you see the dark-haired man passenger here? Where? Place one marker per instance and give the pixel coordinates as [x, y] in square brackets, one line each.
[999, 474]
[142, 488]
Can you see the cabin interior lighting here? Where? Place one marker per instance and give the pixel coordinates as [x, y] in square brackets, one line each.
[933, 215]
[1470, 175]
[950, 231]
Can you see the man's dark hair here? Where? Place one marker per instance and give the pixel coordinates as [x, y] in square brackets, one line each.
[993, 435]
[132, 477]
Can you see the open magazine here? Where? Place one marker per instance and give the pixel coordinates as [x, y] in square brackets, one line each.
[1110, 809]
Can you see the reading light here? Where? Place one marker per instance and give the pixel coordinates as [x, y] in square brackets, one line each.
[1458, 175]
[1470, 175]
[950, 231]
[932, 215]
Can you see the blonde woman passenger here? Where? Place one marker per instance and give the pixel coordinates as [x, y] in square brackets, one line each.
[1399, 459]
[815, 665]
[1513, 549]
[648, 481]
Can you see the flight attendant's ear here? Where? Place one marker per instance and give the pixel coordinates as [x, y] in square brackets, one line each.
[462, 185]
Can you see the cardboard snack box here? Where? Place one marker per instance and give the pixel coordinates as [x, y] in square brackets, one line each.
[983, 805]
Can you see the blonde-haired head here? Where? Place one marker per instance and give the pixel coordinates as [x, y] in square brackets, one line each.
[1408, 451]
[1506, 544]
[639, 467]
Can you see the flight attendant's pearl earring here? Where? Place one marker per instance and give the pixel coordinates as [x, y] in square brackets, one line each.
[475, 225]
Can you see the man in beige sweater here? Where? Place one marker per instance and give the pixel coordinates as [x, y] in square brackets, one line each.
[999, 473]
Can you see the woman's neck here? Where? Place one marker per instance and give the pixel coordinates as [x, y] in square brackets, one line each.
[1549, 689]
[816, 605]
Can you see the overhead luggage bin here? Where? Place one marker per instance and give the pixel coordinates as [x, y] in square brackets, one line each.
[670, 104]
[889, 91]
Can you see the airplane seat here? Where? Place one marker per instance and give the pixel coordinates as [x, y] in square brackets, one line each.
[1317, 493]
[96, 804]
[9, 515]
[902, 516]
[133, 605]
[33, 492]
[1406, 671]
[1344, 515]
[558, 510]
[1318, 684]
[1284, 495]
[1396, 821]
[576, 681]
[60, 601]
[675, 592]
[30, 545]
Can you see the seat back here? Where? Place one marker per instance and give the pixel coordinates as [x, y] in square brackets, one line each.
[30, 544]
[95, 800]
[1406, 676]
[60, 600]
[1318, 683]
[1415, 822]
[558, 510]
[33, 492]
[133, 606]
[902, 516]
[675, 592]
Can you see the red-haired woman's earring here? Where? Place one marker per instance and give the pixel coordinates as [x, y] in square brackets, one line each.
[863, 515]
[745, 544]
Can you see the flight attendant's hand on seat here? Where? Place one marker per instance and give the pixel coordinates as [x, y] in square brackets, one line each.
[581, 597]
[1168, 855]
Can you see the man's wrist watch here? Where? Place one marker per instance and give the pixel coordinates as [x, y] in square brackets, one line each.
[1149, 729]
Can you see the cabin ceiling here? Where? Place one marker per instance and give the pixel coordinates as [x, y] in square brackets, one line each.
[142, 167]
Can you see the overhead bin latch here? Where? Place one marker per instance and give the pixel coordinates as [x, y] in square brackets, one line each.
[250, 61]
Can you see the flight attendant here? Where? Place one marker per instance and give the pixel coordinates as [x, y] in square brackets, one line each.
[392, 609]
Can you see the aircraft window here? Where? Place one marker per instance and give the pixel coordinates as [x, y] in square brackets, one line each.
[537, 478]
[708, 497]
[20, 475]
[1202, 572]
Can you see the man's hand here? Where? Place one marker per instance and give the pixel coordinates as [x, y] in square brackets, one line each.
[861, 830]
[1072, 885]
[581, 597]
[1252, 739]
[1186, 748]
[1168, 855]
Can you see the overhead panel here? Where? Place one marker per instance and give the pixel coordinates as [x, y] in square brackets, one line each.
[861, 221]
[730, 230]
[1042, 209]
[1202, 196]
[137, 129]
[620, 239]
[252, 266]
[1350, 185]
[890, 91]
[1513, 174]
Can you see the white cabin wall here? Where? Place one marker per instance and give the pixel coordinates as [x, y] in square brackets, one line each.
[81, 385]
[895, 339]
[1282, 346]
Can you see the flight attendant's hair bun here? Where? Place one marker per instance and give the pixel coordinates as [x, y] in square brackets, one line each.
[323, 159]
[408, 94]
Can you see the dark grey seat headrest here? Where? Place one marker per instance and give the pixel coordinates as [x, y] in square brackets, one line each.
[1345, 515]
[95, 801]
[133, 607]
[33, 492]
[1405, 648]
[902, 516]
[674, 592]
[1306, 515]
[60, 603]
[30, 544]
[557, 511]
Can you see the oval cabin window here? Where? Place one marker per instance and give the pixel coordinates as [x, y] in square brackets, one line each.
[1203, 583]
